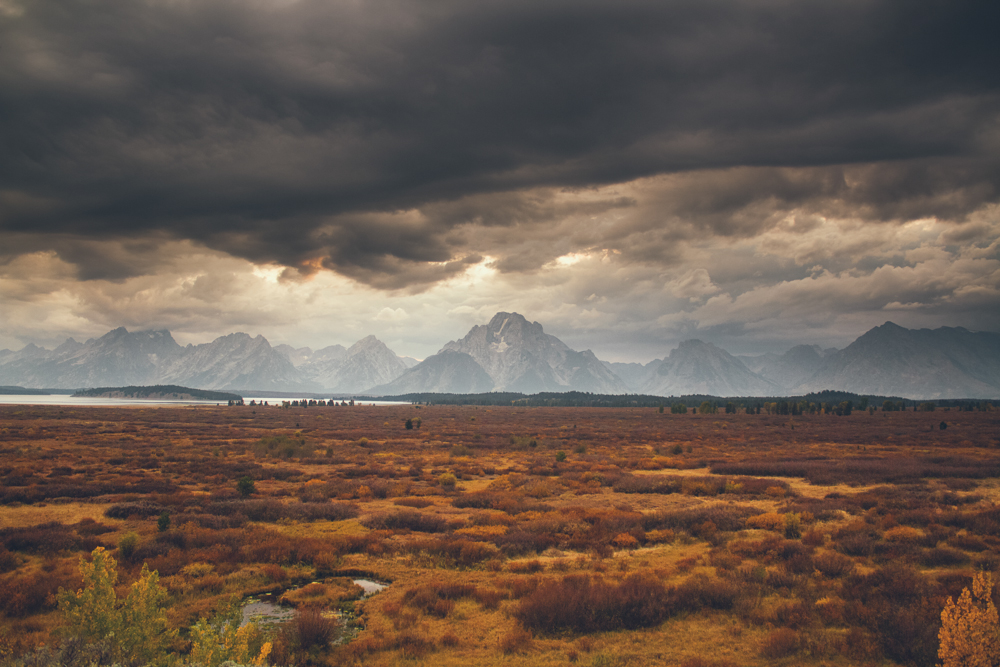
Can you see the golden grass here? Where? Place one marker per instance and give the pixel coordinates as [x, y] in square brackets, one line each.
[317, 528]
[66, 513]
[613, 442]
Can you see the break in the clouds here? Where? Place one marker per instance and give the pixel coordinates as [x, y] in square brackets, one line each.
[628, 173]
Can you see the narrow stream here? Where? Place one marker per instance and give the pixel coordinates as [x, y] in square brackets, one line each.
[266, 610]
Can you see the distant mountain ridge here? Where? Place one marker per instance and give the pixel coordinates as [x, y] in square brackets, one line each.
[696, 367]
[507, 354]
[365, 364]
[123, 358]
[519, 356]
[511, 354]
[448, 371]
[948, 362]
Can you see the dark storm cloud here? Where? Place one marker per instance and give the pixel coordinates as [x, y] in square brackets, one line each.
[307, 133]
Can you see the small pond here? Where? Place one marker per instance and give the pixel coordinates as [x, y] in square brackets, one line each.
[371, 587]
[267, 609]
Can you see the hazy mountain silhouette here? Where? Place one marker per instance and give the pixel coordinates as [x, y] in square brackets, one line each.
[890, 360]
[116, 358]
[789, 369]
[365, 364]
[447, 372]
[696, 367]
[236, 361]
[519, 356]
[511, 354]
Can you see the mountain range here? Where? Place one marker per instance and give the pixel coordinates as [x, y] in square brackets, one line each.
[509, 353]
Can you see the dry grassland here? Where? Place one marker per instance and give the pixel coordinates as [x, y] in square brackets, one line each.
[515, 536]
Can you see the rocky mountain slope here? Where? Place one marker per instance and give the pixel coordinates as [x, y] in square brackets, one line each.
[948, 362]
[365, 364]
[512, 354]
[116, 358]
[236, 361]
[696, 367]
[447, 372]
[304, 355]
[789, 369]
[121, 358]
[519, 356]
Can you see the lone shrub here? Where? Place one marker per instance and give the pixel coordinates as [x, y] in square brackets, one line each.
[780, 643]
[518, 639]
[313, 629]
[245, 486]
[792, 526]
[127, 545]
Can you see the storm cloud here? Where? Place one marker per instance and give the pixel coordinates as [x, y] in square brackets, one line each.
[402, 145]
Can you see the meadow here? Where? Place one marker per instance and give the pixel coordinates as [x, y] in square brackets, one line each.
[510, 535]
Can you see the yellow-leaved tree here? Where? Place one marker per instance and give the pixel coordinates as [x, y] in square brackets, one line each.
[970, 632]
[225, 639]
[134, 629]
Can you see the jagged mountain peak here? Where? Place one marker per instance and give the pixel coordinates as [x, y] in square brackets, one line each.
[693, 345]
[511, 323]
[516, 354]
[890, 360]
[791, 368]
[369, 342]
[697, 367]
[519, 356]
[448, 371]
[69, 346]
[367, 363]
[234, 361]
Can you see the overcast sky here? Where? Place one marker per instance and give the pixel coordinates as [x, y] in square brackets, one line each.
[630, 174]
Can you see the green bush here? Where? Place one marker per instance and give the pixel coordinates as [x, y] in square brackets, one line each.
[245, 486]
[127, 545]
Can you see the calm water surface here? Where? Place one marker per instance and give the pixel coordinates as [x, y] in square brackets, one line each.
[266, 610]
[89, 401]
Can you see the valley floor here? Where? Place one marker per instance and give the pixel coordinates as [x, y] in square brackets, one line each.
[510, 536]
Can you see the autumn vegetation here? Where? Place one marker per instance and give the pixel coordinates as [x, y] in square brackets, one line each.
[506, 535]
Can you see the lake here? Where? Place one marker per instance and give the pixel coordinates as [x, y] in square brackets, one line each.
[93, 401]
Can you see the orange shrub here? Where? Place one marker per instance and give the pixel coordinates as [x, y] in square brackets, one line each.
[625, 541]
[515, 641]
[769, 521]
[780, 643]
[585, 604]
[413, 645]
[482, 531]
[660, 536]
[489, 598]
[903, 534]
